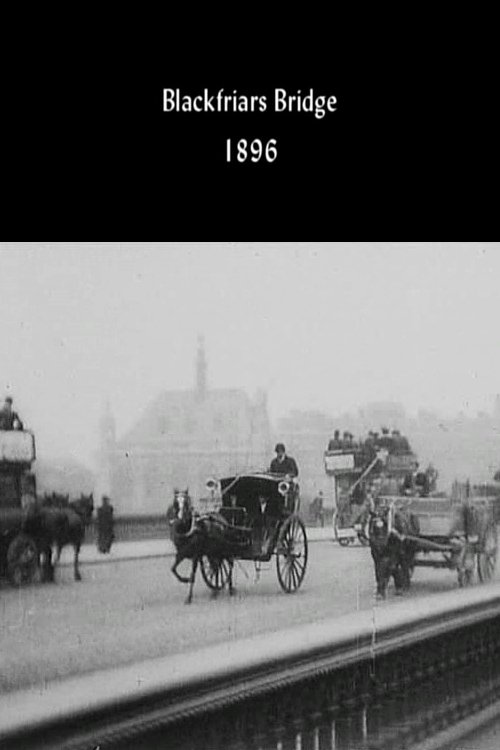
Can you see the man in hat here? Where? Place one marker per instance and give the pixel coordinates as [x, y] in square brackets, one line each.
[335, 444]
[386, 440]
[283, 464]
[9, 420]
[287, 467]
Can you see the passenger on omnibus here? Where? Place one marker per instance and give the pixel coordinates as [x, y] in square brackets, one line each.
[9, 420]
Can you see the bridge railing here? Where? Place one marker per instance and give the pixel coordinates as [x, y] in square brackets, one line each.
[117, 705]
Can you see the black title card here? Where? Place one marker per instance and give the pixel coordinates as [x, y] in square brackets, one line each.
[290, 142]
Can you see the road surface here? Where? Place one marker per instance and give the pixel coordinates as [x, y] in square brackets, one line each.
[133, 610]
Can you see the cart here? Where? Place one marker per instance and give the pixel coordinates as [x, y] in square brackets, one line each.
[458, 536]
[260, 517]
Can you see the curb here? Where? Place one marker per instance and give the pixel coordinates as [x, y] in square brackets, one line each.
[145, 556]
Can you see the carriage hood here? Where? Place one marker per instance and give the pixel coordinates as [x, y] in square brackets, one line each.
[263, 483]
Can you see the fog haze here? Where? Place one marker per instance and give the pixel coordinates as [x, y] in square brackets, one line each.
[324, 326]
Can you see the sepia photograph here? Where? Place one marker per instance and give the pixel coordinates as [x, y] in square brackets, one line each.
[250, 495]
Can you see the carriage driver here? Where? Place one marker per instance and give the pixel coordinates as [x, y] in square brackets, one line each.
[283, 464]
[286, 466]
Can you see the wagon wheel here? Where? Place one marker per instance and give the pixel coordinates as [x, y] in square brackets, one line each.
[291, 554]
[487, 557]
[215, 572]
[344, 541]
[22, 560]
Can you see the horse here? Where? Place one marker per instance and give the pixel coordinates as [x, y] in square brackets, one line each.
[393, 554]
[55, 500]
[62, 525]
[195, 537]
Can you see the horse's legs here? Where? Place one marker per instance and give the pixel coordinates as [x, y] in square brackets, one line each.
[399, 577]
[383, 575]
[178, 560]
[407, 565]
[47, 566]
[191, 582]
[400, 564]
[230, 578]
[379, 574]
[76, 569]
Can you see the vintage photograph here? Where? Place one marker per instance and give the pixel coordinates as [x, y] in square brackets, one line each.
[250, 495]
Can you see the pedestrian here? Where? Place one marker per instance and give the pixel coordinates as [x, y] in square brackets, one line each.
[318, 509]
[105, 531]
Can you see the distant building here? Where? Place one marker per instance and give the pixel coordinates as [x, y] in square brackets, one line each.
[105, 458]
[374, 415]
[183, 438]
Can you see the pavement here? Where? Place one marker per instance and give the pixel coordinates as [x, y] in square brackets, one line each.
[144, 548]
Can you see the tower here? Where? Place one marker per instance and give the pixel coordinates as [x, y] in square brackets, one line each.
[107, 444]
[201, 369]
[107, 428]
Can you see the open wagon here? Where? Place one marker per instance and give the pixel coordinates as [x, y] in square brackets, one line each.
[459, 536]
[260, 516]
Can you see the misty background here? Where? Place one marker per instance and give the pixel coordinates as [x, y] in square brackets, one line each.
[342, 331]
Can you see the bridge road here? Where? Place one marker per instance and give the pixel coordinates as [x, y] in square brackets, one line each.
[135, 610]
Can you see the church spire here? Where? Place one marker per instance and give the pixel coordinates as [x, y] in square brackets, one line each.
[107, 426]
[201, 368]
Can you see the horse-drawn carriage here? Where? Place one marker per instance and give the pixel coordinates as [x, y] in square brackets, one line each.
[19, 528]
[31, 526]
[256, 517]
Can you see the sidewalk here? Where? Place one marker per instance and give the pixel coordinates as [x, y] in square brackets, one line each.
[154, 548]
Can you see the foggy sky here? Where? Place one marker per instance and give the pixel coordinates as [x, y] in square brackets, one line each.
[326, 326]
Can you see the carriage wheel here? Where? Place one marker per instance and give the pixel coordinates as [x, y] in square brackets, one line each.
[215, 572]
[291, 554]
[22, 560]
[487, 557]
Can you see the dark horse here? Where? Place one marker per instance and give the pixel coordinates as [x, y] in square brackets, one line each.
[393, 554]
[64, 522]
[196, 537]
